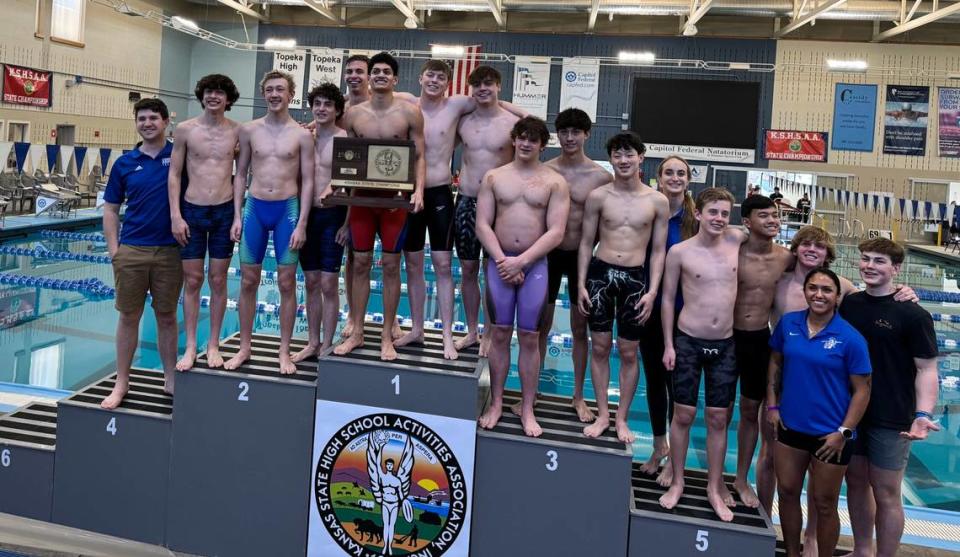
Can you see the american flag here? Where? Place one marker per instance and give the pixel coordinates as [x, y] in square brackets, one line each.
[461, 70]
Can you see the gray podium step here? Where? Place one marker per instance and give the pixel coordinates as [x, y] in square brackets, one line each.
[419, 380]
[240, 461]
[112, 466]
[28, 437]
[560, 494]
[692, 528]
[838, 552]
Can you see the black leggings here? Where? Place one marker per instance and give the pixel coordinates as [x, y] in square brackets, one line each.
[659, 385]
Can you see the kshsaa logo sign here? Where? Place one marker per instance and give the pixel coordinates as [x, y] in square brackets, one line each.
[388, 484]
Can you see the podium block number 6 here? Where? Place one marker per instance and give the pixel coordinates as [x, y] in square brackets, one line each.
[5, 458]
[552, 463]
[703, 540]
[396, 384]
[112, 426]
[244, 390]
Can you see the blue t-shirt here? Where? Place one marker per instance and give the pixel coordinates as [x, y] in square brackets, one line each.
[673, 238]
[141, 182]
[816, 384]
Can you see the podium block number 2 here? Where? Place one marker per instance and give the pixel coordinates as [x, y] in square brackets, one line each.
[703, 540]
[244, 395]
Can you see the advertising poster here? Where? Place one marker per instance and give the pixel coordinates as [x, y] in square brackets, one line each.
[949, 114]
[27, 86]
[790, 145]
[905, 119]
[294, 62]
[580, 84]
[531, 84]
[326, 65]
[854, 116]
[389, 482]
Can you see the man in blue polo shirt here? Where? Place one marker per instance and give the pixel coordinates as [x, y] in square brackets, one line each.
[145, 253]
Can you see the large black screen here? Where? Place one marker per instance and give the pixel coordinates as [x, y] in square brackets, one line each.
[698, 112]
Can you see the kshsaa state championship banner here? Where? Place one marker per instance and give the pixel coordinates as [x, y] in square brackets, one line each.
[949, 122]
[531, 84]
[905, 120]
[854, 116]
[27, 86]
[386, 482]
[790, 145]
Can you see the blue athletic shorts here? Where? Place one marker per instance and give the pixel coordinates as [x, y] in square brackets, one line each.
[260, 217]
[209, 230]
[321, 252]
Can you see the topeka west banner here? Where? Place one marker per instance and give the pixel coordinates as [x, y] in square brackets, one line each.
[789, 145]
[949, 122]
[27, 86]
[905, 120]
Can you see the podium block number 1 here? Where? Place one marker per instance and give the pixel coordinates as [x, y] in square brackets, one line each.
[396, 384]
[5, 458]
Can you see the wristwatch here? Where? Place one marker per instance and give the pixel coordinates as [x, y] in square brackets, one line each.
[846, 432]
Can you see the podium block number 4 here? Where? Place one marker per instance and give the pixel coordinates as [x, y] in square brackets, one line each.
[244, 396]
[703, 540]
[5, 458]
[552, 463]
[112, 426]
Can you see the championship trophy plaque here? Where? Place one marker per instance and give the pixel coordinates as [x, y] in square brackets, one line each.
[372, 172]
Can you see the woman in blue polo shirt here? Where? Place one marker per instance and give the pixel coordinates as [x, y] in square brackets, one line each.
[822, 366]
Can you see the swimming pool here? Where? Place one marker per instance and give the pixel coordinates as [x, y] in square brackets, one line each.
[62, 339]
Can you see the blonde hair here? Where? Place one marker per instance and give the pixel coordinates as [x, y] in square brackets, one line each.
[277, 74]
[815, 235]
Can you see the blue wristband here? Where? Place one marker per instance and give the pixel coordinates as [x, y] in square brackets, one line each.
[922, 414]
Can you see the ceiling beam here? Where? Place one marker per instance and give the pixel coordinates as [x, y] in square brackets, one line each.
[326, 12]
[497, 11]
[405, 10]
[810, 16]
[242, 7]
[699, 12]
[919, 22]
[594, 10]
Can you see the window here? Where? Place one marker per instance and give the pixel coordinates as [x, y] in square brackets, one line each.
[46, 366]
[18, 131]
[66, 21]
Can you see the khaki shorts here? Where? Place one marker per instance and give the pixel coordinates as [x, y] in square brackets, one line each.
[138, 270]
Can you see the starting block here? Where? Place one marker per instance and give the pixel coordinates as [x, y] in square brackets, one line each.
[28, 437]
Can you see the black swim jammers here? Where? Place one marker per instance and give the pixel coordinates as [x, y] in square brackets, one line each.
[717, 359]
[437, 216]
[753, 359]
[614, 291]
[468, 245]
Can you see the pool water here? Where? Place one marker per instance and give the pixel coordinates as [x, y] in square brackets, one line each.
[65, 339]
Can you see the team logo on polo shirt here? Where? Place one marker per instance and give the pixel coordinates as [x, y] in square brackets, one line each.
[831, 343]
[165, 162]
[386, 484]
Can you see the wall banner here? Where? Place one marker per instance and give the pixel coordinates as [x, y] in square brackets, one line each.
[949, 136]
[390, 482]
[580, 85]
[789, 145]
[531, 84]
[698, 173]
[294, 62]
[854, 117]
[326, 66]
[27, 86]
[698, 153]
[905, 120]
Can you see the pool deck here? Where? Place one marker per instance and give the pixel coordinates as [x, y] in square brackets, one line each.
[952, 254]
[21, 225]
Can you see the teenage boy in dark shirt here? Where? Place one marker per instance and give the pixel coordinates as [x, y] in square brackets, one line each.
[903, 353]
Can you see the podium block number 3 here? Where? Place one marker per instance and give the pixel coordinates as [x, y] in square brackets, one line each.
[5, 458]
[703, 540]
[112, 426]
[552, 463]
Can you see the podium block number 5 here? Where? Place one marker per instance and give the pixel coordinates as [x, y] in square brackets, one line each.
[396, 384]
[244, 390]
[552, 463]
[5, 458]
[112, 426]
[703, 540]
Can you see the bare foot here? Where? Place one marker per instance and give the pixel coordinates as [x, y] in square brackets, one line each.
[584, 413]
[308, 351]
[186, 362]
[670, 499]
[347, 331]
[348, 345]
[517, 407]
[396, 332]
[214, 358]
[116, 395]
[623, 432]
[235, 362]
[466, 342]
[747, 494]
[490, 418]
[666, 474]
[719, 504]
[597, 428]
[413, 337]
[287, 367]
[653, 463]
[449, 348]
[810, 545]
[530, 426]
[168, 385]
[728, 499]
[484, 345]
[387, 351]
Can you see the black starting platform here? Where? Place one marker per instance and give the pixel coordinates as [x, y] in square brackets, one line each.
[561, 494]
[28, 437]
[241, 454]
[112, 466]
[692, 527]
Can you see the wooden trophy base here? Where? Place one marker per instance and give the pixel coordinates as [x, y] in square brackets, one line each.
[360, 198]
